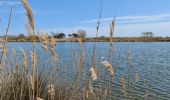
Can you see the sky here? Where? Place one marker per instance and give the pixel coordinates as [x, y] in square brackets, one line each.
[132, 16]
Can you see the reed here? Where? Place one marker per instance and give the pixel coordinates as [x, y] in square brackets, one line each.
[26, 79]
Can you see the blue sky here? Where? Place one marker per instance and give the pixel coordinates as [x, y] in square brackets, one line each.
[132, 16]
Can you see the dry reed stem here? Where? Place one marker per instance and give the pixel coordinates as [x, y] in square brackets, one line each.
[6, 38]
[111, 37]
[123, 82]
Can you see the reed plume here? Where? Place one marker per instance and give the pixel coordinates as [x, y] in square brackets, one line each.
[29, 13]
[93, 73]
[109, 68]
[44, 40]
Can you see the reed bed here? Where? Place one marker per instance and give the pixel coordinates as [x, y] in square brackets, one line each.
[25, 79]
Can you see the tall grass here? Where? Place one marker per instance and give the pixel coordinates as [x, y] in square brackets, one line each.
[22, 80]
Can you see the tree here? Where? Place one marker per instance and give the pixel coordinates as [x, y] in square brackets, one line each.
[58, 35]
[61, 35]
[69, 35]
[147, 34]
[81, 33]
[75, 35]
[21, 35]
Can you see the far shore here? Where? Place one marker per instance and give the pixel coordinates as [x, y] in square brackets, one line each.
[99, 39]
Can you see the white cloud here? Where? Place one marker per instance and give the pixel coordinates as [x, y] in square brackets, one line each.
[10, 3]
[133, 19]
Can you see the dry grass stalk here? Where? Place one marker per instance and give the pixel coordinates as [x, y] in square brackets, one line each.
[32, 33]
[123, 82]
[111, 37]
[93, 73]
[111, 33]
[6, 38]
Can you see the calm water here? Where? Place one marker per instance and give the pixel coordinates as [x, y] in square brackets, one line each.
[150, 60]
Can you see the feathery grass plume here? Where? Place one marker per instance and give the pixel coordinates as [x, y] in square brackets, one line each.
[109, 68]
[136, 77]
[93, 73]
[52, 44]
[123, 82]
[24, 60]
[44, 40]
[29, 13]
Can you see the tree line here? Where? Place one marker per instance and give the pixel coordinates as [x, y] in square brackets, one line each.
[79, 34]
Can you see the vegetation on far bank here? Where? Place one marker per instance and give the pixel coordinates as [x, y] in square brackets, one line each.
[91, 39]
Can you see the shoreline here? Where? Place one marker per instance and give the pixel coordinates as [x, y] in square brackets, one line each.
[99, 39]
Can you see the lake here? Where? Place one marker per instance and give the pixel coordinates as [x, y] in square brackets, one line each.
[151, 60]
